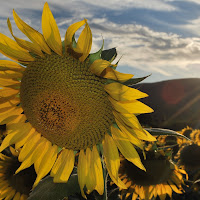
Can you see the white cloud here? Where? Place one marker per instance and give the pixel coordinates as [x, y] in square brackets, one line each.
[144, 4]
[82, 6]
[149, 50]
[192, 26]
[143, 48]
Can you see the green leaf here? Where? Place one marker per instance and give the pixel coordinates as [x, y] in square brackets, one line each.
[109, 54]
[135, 80]
[48, 190]
[160, 131]
[97, 55]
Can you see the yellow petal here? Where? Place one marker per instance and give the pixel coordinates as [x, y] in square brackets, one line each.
[8, 74]
[10, 65]
[65, 166]
[50, 30]
[120, 92]
[23, 197]
[133, 128]
[102, 68]
[141, 193]
[15, 135]
[45, 162]
[8, 83]
[32, 34]
[29, 147]
[134, 197]
[3, 185]
[82, 171]
[84, 43]
[17, 196]
[129, 119]
[126, 148]
[71, 31]
[147, 136]
[164, 194]
[32, 156]
[174, 187]
[7, 94]
[98, 66]
[9, 103]
[11, 49]
[168, 190]
[10, 195]
[135, 107]
[90, 181]
[9, 119]
[25, 139]
[112, 160]
[111, 73]
[133, 139]
[15, 111]
[98, 172]
[31, 47]
[4, 193]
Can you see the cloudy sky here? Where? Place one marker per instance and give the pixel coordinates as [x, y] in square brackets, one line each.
[158, 37]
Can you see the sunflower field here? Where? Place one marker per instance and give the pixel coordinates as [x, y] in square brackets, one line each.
[69, 126]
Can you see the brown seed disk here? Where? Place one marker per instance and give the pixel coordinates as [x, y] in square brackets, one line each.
[65, 102]
[23, 181]
[157, 172]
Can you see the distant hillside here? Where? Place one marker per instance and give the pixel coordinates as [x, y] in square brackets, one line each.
[176, 103]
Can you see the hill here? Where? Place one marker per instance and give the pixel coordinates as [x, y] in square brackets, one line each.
[176, 103]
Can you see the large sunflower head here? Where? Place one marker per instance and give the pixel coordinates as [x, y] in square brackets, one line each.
[60, 99]
[15, 186]
[161, 178]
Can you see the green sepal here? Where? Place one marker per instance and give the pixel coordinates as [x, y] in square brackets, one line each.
[109, 54]
[160, 131]
[59, 149]
[74, 44]
[48, 190]
[115, 125]
[100, 148]
[97, 55]
[134, 81]
[33, 55]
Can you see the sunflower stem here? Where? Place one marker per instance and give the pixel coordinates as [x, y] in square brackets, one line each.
[105, 174]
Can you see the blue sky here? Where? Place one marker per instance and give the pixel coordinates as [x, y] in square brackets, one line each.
[158, 37]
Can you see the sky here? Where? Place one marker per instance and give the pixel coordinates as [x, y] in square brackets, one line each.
[157, 37]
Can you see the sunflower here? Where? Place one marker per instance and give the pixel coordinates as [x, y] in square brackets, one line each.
[186, 132]
[189, 157]
[161, 178]
[14, 186]
[58, 100]
[195, 136]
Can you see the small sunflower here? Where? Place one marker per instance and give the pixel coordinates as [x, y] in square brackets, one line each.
[189, 157]
[195, 136]
[14, 186]
[161, 178]
[186, 132]
[58, 100]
